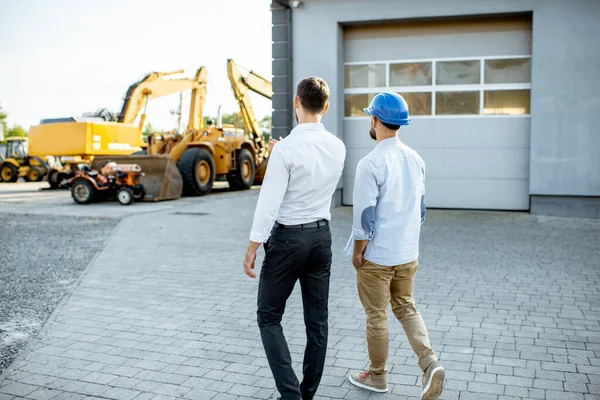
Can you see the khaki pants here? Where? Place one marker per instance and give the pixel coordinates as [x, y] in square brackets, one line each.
[378, 286]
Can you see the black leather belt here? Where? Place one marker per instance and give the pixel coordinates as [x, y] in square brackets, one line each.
[316, 224]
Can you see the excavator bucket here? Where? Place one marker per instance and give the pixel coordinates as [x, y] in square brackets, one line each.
[161, 180]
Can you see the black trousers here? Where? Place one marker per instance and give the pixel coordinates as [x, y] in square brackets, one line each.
[292, 255]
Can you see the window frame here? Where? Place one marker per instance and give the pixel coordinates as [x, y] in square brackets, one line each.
[433, 88]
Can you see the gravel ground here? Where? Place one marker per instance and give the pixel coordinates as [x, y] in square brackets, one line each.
[41, 258]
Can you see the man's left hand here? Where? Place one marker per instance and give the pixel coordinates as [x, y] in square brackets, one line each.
[272, 143]
[249, 260]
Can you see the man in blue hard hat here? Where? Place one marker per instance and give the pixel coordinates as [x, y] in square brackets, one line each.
[389, 208]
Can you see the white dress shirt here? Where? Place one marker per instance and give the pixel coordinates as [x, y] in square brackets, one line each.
[389, 203]
[302, 175]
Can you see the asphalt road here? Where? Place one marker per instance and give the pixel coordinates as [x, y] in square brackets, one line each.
[41, 258]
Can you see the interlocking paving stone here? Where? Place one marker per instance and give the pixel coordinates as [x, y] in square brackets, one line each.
[510, 300]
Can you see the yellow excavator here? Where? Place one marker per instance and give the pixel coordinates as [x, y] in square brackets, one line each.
[102, 134]
[204, 154]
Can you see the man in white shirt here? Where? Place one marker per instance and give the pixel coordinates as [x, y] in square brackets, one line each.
[389, 208]
[292, 221]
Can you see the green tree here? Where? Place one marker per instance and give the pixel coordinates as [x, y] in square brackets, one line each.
[227, 119]
[233, 119]
[148, 129]
[3, 116]
[265, 125]
[15, 130]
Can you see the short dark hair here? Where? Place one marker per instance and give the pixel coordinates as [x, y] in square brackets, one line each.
[313, 93]
[390, 126]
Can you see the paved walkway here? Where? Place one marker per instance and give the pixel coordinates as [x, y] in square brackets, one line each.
[511, 301]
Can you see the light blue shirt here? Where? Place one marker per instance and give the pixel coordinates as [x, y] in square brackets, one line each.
[389, 203]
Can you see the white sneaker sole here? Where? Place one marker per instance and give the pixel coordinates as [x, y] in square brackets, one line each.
[367, 387]
[434, 387]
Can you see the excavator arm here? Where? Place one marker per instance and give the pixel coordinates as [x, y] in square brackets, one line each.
[150, 87]
[198, 98]
[241, 86]
[175, 144]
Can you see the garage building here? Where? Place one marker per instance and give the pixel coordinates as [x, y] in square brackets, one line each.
[502, 94]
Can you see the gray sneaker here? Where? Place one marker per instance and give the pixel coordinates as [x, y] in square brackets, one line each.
[433, 381]
[369, 381]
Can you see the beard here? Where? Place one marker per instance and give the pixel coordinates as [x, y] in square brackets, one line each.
[373, 134]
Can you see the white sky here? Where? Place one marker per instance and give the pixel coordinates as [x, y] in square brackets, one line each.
[61, 58]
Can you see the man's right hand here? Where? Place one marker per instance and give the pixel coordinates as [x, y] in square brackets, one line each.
[249, 260]
[273, 142]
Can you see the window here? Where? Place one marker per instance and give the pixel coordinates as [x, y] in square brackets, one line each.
[419, 103]
[456, 103]
[506, 102]
[365, 76]
[478, 86]
[355, 103]
[457, 72]
[410, 74]
[508, 71]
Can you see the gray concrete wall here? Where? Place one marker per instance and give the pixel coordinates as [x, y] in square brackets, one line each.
[566, 61]
[566, 206]
[565, 98]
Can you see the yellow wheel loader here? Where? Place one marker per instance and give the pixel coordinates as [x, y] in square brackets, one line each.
[17, 163]
[204, 154]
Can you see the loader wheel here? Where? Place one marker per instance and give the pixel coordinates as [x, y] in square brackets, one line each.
[35, 174]
[53, 179]
[83, 192]
[139, 193]
[125, 196]
[9, 172]
[243, 177]
[197, 169]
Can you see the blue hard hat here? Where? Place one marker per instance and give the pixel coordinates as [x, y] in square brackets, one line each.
[390, 108]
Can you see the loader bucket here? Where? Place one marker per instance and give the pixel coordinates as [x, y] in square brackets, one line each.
[161, 180]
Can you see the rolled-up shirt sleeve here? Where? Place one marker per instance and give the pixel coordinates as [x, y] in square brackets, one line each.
[271, 195]
[366, 192]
